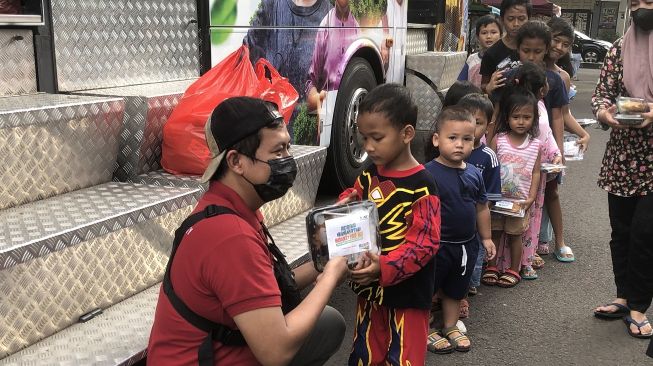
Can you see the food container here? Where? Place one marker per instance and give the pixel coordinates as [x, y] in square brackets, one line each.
[342, 230]
[627, 105]
[552, 168]
[508, 207]
[573, 152]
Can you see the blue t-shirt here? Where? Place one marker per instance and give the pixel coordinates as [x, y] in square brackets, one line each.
[460, 190]
[485, 160]
[557, 96]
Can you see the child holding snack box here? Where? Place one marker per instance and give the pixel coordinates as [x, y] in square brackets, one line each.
[394, 289]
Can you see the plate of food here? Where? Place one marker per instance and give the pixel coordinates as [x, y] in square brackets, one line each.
[508, 207]
[629, 119]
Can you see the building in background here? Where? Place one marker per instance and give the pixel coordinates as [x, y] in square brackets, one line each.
[598, 19]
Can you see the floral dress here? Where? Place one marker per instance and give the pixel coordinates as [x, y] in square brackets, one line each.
[627, 168]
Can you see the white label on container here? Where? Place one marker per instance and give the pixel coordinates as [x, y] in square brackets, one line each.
[504, 204]
[349, 234]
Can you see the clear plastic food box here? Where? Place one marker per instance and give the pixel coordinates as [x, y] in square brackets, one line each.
[342, 230]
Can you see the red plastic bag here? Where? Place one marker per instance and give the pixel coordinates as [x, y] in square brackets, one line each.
[184, 149]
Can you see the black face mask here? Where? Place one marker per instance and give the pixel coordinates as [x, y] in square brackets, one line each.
[643, 19]
[282, 176]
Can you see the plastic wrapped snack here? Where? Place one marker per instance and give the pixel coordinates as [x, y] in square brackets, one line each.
[508, 207]
[571, 147]
[345, 230]
[552, 168]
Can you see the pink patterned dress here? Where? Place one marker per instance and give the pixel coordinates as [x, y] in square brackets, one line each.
[517, 164]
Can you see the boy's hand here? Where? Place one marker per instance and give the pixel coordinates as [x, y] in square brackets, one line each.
[496, 81]
[583, 142]
[350, 198]
[368, 274]
[490, 249]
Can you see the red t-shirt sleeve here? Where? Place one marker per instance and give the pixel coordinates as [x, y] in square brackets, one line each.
[240, 271]
[421, 243]
[357, 188]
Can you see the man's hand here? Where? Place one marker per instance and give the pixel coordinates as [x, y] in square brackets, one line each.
[370, 273]
[336, 268]
[490, 249]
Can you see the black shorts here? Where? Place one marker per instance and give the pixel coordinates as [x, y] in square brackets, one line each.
[452, 276]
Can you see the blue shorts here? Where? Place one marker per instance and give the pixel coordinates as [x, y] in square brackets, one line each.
[454, 265]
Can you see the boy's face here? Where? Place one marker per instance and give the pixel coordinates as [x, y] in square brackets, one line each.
[455, 141]
[488, 35]
[533, 50]
[481, 126]
[382, 140]
[513, 19]
[560, 46]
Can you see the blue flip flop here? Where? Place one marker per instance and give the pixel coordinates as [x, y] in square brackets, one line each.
[630, 321]
[622, 310]
[560, 254]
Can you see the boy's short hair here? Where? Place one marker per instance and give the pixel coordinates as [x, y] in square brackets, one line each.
[507, 4]
[477, 102]
[485, 20]
[453, 113]
[458, 90]
[394, 101]
[534, 29]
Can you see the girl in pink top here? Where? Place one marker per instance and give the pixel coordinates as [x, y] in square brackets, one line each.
[518, 151]
[533, 78]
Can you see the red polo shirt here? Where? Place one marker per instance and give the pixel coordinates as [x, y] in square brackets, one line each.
[222, 268]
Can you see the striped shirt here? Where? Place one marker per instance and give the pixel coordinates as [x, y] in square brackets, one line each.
[517, 164]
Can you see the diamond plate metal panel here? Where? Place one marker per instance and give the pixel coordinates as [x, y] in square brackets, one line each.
[291, 238]
[17, 63]
[101, 44]
[40, 228]
[301, 197]
[416, 41]
[52, 144]
[118, 336]
[146, 111]
[48, 294]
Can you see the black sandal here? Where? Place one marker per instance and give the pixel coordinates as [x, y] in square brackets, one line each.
[622, 310]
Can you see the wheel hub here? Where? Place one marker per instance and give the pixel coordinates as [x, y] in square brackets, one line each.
[356, 150]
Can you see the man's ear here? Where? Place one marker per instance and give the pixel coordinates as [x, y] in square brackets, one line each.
[234, 161]
[409, 133]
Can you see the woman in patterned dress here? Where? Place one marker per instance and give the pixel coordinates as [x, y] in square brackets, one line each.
[627, 171]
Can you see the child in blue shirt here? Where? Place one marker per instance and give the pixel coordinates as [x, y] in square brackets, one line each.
[485, 159]
[464, 211]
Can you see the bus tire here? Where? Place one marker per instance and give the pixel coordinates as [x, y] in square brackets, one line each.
[346, 156]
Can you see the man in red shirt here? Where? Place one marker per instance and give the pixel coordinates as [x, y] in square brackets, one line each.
[226, 272]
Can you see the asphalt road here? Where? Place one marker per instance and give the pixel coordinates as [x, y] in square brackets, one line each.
[548, 321]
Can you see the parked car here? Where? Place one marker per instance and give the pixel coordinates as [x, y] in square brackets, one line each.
[592, 50]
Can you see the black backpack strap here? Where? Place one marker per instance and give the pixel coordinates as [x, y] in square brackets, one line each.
[216, 332]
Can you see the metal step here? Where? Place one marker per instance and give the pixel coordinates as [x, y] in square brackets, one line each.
[67, 255]
[119, 335]
[301, 197]
[147, 108]
[52, 144]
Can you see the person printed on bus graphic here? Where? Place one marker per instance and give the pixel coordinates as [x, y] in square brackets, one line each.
[464, 213]
[283, 32]
[338, 30]
[395, 288]
[238, 282]
[488, 32]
